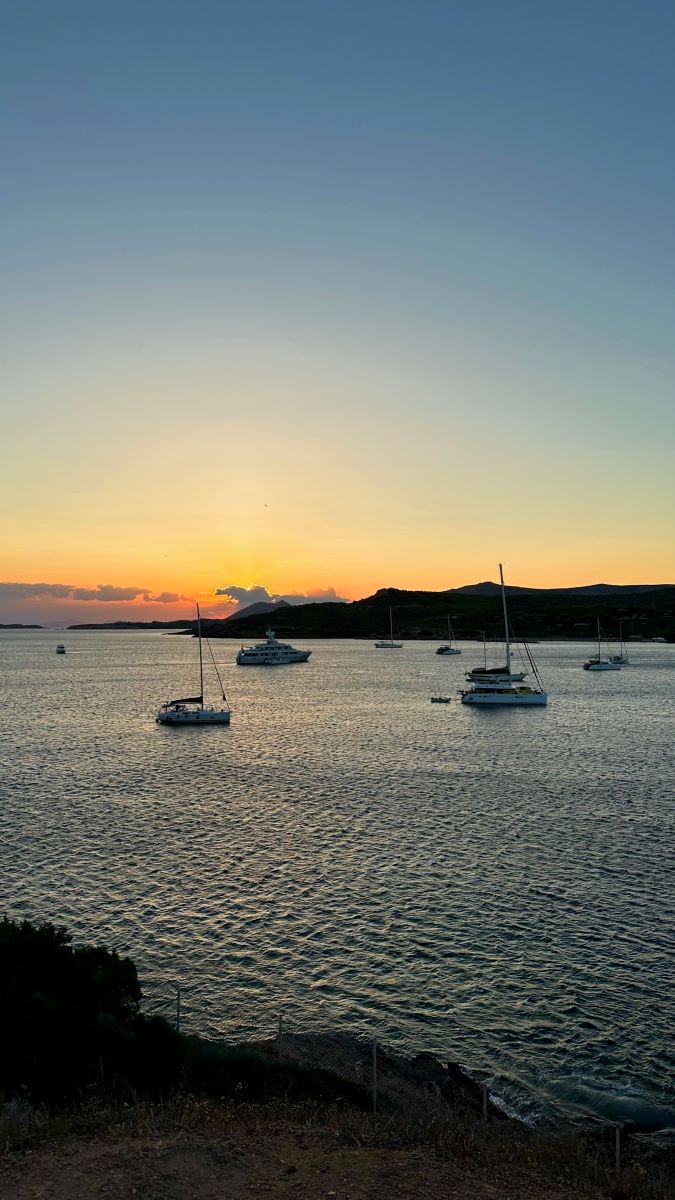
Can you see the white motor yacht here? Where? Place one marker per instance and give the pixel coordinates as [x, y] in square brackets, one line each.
[270, 653]
[500, 685]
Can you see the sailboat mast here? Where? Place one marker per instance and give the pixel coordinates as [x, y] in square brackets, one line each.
[506, 622]
[391, 627]
[201, 663]
[599, 654]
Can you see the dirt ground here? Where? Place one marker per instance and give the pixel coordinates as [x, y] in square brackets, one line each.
[230, 1164]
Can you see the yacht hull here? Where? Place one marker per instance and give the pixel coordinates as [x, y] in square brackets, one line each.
[506, 700]
[260, 660]
[603, 666]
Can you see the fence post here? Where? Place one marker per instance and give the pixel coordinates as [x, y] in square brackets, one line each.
[617, 1149]
[177, 1008]
[374, 1077]
[485, 1101]
[279, 1032]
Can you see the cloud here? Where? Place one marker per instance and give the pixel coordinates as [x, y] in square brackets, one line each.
[165, 598]
[35, 591]
[108, 594]
[105, 593]
[258, 593]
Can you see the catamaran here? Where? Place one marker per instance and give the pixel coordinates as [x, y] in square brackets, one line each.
[501, 685]
[190, 710]
[391, 644]
[598, 663]
[452, 647]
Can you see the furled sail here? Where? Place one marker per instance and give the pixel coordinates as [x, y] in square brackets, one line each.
[188, 700]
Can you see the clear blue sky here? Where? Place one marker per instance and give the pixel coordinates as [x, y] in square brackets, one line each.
[405, 223]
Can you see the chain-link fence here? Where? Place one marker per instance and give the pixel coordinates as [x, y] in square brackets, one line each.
[419, 1086]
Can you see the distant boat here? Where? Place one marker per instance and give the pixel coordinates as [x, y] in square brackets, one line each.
[270, 653]
[478, 673]
[500, 685]
[190, 710]
[452, 648]
[440, 699]
[391, 644]
[60, 649]
[622, 657]
[598, 663]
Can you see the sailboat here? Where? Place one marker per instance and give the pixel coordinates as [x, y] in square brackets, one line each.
[500, 685]
[391, 644]
[599, 663]
[190, 710]
[452, 647]
[477, 673]
[622, 657]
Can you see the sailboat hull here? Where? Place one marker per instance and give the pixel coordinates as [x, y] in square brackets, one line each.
[205, 716]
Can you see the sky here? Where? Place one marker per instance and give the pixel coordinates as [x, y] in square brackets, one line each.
[324, 297]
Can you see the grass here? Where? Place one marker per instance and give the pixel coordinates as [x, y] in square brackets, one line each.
[500, 1151]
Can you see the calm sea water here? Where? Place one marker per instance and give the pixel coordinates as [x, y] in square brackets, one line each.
[497, 887]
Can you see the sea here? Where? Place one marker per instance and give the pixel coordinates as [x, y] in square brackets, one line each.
[496, 887]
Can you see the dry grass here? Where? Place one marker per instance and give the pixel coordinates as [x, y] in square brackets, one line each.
[507, 1154]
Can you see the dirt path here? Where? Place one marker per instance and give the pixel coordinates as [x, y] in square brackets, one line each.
[232, 1164]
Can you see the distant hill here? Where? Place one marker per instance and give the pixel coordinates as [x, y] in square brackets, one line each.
[136, 625]
[258, 610]
[16, 625]
[645, 610]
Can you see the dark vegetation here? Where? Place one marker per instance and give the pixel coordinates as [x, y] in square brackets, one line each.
[644, 611]
[71, 1027]
[572, 613]
[78, 1058]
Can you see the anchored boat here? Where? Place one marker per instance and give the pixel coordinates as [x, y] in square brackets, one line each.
[270, 653]
[190, 710]
[501, 685]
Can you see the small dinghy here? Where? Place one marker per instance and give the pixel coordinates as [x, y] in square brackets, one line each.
[440, 699]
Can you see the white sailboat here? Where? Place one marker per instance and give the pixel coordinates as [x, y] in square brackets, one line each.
[391, 644]
[452, 647]
[598, 663]
[622, 657]
[190, 710]
[500, 685]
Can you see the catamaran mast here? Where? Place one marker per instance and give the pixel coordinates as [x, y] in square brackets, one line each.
[201, 664]
[506, 622]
